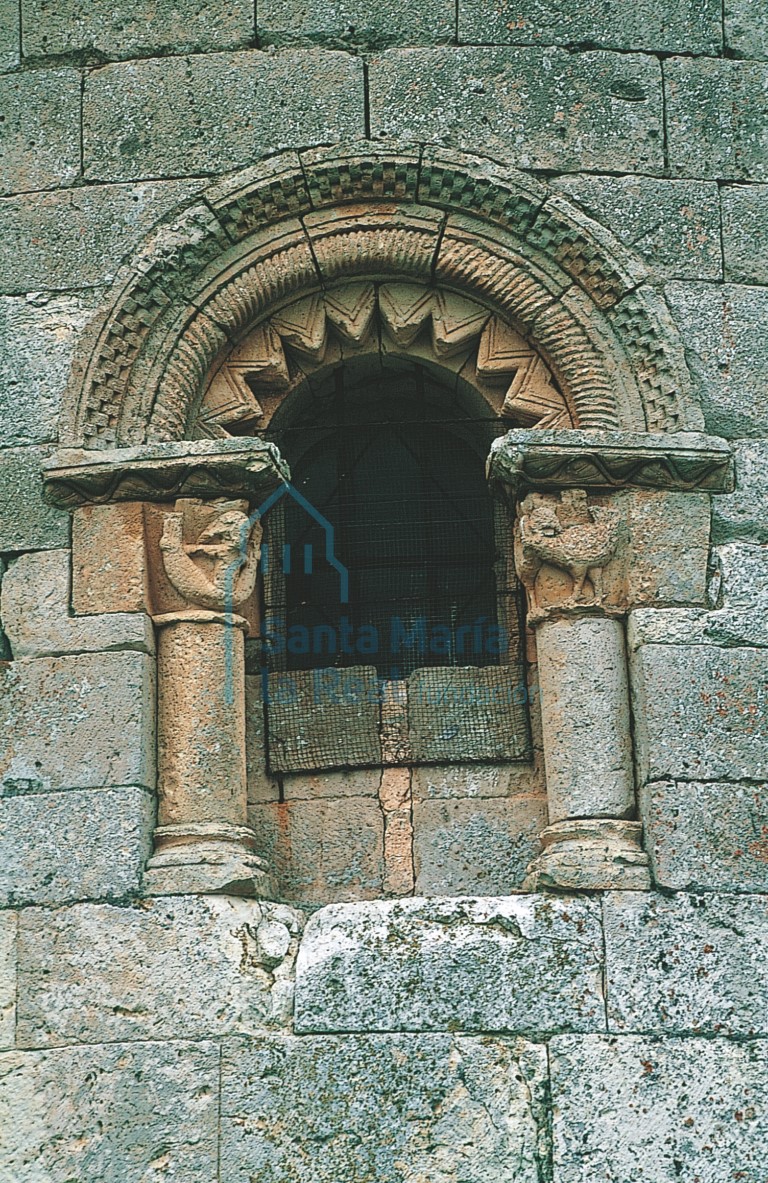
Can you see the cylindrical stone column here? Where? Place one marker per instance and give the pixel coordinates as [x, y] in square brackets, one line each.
[203, 842]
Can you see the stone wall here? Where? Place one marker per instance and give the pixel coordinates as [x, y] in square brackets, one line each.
[520, 1037]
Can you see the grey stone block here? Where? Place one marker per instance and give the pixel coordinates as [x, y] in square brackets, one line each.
[102, 29]
[214, 112]
[724, 330]
[687, 964]
[520, 964]
[116, 1114]
[78, 237]
[322, 850]
[384, 1107]
[725, 627]
[40, 140]
[746, 30]
[37, 338]
[34, 613]
[358, 25]
[707, 836]
[476, 847]
[658, 1112]
[10, 34]
[8, 985]
[176, 967]
[459, 781]
[77, 722]
[533, 108]
[743, 569]
[674, 225]
[687, 26]
[74, 845]
[701, 713]
[26, 522]
[715, 118]
[744, 515]
[745, 232]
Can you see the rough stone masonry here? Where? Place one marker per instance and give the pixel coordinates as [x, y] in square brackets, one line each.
[552, 969]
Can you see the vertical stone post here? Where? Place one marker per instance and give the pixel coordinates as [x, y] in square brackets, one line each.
[203, 843]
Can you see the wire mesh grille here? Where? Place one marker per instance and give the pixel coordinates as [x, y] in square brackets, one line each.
[389, 594]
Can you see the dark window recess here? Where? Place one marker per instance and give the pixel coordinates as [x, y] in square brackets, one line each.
[391, 613]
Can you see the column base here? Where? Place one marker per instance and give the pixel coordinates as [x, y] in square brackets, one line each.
[207, 858]
[590, 854]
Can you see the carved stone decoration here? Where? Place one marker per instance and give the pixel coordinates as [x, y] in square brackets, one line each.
[294, 225]
[302, 335]
[567, 533]
[219, 569]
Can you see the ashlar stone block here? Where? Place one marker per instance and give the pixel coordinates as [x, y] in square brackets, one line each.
[175, 967]
[746, 32]
[40, 141]
[687, 26]
[744, 515]
[37, 337]
[358, 25]
[658, 1112]
[715, 112]
[102, 29]
[605, 108]
[724, 330]
[115, 1113]
[214, 112]
[73, 845]
[707, 836]
[78, 237]
[476, 846]
[79, 722]
[384, 1107]
[674, 225]
[34, 610]
[8, 987]
[10, 34]
[517, 964]
[687, 964]
[26, 522]
[701, 712]
[745, 232]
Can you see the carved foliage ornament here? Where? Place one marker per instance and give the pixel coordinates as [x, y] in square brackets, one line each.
[387, 319]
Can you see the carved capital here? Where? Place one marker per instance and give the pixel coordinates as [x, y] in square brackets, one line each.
[210, 552]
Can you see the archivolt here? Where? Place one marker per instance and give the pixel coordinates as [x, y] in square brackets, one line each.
[299, 224]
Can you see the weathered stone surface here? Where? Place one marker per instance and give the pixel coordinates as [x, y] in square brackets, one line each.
[327, 849]
[8, 928]
[521, 964]
[116, 1114]
[359, 25]
[476, 847]
[605, 107]
[457, 781]
[708, 134]
[353, 782]
[686, 963]
[707, 836]
[40, 143]
[746, 33]
[384, 1107]
[687, 26]
[101, 30]
[34, 610]
[26, 522]
[745, 232]
[77, 722]
[181, 967]
[170, 116]
[110, 568]
[73, 845]
[78, 237]
[745, 513]
[37, 337]
[724, 329]
[10, 34]
[727, 627]
[701, 713]
[658, 1112]
[743, 574]
[674, 225]
[668, 546]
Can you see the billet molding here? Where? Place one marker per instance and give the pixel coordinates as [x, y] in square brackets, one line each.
[300, 224]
